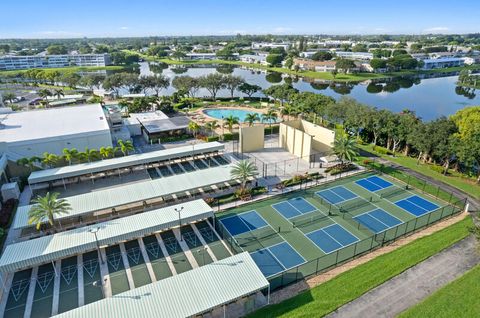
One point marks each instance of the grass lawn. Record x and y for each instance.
(460, 298)
(455, 179)
(348, 286)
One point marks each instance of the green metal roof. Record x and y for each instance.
(64, 244)
(184, 295)
(122, 162)
(131, 193)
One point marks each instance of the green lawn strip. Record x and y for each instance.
(460, 298)
(348, 286)
(454, 179)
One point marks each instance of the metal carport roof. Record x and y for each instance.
(137, 192)
(122, 162)
(64, 244)
(184, 295)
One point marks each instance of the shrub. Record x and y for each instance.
(340, 168)
(437, 168)
(274, 130)
(212, 138)
(382, 150)
(6, 212)
(229, 136)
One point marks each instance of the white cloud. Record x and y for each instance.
(438, 29)
(124, 28)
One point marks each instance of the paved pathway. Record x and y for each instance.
(415, 284)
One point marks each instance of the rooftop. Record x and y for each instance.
(52, 123)
(185, 295)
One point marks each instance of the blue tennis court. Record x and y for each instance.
(378, 220)
(294, 207)
(332, 238)
(416, 205)
(243, 222)
(336, 195)
(277, 258)
(373, 183)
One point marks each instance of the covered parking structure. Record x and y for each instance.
(132, 198)
(116, 166)
(227, 288)
(46, 249)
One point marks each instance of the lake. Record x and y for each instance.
(430, 98)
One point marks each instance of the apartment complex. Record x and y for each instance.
(8, 62)
(318, 66)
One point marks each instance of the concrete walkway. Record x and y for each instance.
(415, 284)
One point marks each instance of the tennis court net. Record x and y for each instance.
(354, 204)
(306, 220)
(388, 193)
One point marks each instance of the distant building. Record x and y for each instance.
(254, 58)
(318, 66)
(361, 56)
(263, 45)
(443, 63)
(200, 56)
(9, 62)
(31, 133)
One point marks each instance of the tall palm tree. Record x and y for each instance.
(46, 208)
(230, 121)
(107, 152)
(251, 118)
(125, 146)
(243, 170)
(270, 116)
(29, 162)
(58, 93)
(194, 128)
(344, 147)
(211, 125)
(70, 155)
(45, 93)
(90, 155)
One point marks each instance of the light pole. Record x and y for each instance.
(222, 126)
(179, 210)
(94, 230)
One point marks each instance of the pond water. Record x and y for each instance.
(430, 98)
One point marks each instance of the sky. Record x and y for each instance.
(107, 18)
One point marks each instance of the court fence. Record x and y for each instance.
(348, 253)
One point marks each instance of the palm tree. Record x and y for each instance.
(125, 146)
(45, 208)
(58, 93)
(243, 170)
(28, 162)
(90, 155)
(194, 128)
(107, 152)
(45, 93)
(49, 159)
(211, 125)
(270, 116)
(251, 118)
(70, 155)
(344, 147)
(9, 96)
(230, 121)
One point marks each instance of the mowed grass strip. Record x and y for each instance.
(348, 286)
(460, 298)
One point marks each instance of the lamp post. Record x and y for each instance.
(94, 230)
(179, 210)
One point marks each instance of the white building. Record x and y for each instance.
(264, 45)
(443, 62)
(254, 58)
(9, 62)
(361, 56)
(31, 133)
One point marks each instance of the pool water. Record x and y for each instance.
(220, 113)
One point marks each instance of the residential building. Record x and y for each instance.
(443, 62)
(318, 66)
(9, 62)
(31, 133)
(362, 56)
(264, 45)
(254, 58)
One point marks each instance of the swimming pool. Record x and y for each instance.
(220, 113)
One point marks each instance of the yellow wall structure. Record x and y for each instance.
(251, 138)
(303, 138)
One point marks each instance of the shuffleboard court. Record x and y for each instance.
(416, 205)
(378, 220)
(332, 238)
(277, 258)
